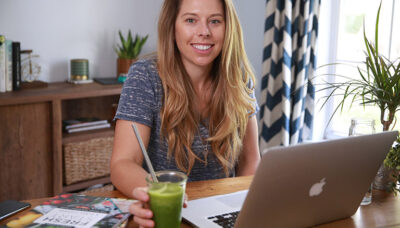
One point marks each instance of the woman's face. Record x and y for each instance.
(200, 31)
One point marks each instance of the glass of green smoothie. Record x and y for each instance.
(166, 198)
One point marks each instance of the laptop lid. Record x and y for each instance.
(282, 192)
(310, 184)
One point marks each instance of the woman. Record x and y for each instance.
(194, 105)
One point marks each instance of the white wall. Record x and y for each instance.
(251, 14)
(61, 30)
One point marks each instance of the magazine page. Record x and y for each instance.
(74, 210)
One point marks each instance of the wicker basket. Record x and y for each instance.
(87, 159)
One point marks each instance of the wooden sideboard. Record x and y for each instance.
(31, 137)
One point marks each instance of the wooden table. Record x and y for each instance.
(383, 212)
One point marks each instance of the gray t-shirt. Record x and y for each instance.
(141, 102)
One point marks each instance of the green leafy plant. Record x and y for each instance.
(130, 48)
(378, 84)
(392, 161)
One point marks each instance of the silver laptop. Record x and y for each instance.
(299, 186)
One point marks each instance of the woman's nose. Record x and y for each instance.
(204, 30)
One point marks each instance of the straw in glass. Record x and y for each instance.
(145, 155)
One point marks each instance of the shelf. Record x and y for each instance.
(58, 91)
(31, 120)
(86, 135)
(85, 184)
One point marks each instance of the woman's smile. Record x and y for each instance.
(202, 47)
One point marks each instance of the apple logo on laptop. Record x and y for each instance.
(316, 188)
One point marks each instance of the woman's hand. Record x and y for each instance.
(140, 210)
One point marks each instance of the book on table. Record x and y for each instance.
(74, 210)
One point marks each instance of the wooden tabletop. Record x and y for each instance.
(384, 211)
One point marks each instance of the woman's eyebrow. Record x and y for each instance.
(189, 14)
(194, 14)
(217, 15)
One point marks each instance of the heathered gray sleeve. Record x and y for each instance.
(137, 101)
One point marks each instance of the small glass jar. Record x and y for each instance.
(363, 127)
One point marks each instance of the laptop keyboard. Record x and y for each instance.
(225, 220)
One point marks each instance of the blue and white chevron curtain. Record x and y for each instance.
(287, 95)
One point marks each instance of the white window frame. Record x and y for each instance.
(328, 31)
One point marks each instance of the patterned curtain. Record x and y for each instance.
(287, 95)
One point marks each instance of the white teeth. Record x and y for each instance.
(201, 47)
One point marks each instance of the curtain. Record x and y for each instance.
(287, 94)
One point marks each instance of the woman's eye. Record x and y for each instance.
(190, 20)
(215, 21)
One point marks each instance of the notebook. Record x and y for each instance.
(300, 186)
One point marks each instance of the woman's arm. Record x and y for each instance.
(126, 160)
(250, 156)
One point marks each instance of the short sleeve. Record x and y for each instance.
(252, 95)
(137, 100)
(255, 104)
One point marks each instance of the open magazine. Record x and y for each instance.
(74, 210)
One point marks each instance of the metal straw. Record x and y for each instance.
(145, 155)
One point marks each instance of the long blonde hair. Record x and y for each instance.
(231, 103)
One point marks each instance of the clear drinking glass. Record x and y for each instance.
(363, 127)
(166, 198)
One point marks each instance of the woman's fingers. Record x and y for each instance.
(138, 210)
(143, 222)
(141, 194)
(185, 200)
(141, 214)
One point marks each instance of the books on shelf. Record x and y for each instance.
(93, 127)
(3, 67)
(84, 124)
(9, 74)
(10, 65)
(6, 62)
(16, 65)
(74, 210)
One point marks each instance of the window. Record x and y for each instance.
(346, 45)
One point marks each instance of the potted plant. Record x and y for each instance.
(392, 161)
(128, 51)
(378, 84)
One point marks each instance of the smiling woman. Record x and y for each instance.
(194, 103)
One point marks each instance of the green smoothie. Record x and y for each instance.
(166, 200)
